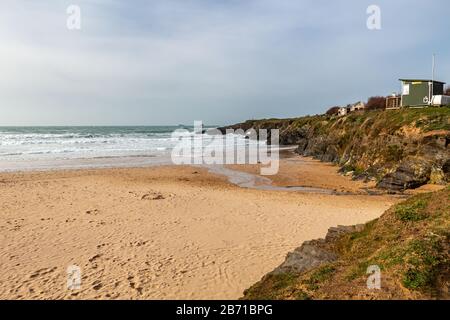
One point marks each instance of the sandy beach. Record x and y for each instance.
(162, 232)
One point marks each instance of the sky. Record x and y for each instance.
(162, 62)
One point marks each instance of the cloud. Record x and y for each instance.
(169, 62)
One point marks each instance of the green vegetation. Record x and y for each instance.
(374, 122)
(424, 257)
(427, 119)
(318, 276)
(275, 285)
(361, 123)
(407, 242)
(410, 243)
(413, 210)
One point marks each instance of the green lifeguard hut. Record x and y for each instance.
(419, 92)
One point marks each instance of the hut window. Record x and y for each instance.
(406, 89)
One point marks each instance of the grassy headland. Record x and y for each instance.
(400, 149)
(410, 243)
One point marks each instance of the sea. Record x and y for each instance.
(43, 148)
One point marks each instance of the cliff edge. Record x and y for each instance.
(409, 245)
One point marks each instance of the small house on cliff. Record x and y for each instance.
(418, 93)
(342, 111)
(357, 106)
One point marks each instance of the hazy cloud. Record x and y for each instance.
(170, 62)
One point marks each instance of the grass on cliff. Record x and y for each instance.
(358, 127)
(426, 119)
(387, 121)
(410, 243)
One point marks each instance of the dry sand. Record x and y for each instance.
(159, 232)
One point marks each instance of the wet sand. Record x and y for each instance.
(303, 173)
(161, 232)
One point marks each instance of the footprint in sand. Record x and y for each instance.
(97, 256)
(42, 272)
(132, 284)
(152, 196)
(93, 212)
(97, 285)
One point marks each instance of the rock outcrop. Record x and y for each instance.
(410, 174)
(401, 149)
(314, 253)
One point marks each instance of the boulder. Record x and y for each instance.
(312, 254)
(308, 256)
(410, 174)
(331, 154)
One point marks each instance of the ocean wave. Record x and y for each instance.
(88, 143)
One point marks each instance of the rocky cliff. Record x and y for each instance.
(401, 149)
